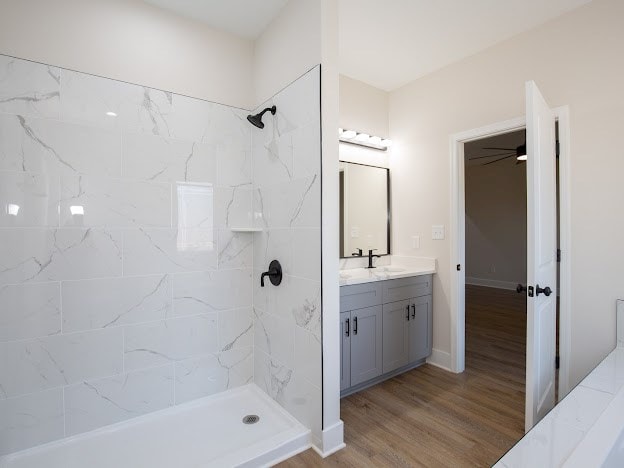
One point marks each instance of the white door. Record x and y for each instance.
(541, 256)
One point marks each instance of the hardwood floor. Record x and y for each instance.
(430, 417)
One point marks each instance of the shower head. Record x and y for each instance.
(256, 120)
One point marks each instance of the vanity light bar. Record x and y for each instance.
(363, 139)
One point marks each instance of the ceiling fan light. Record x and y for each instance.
(522, 157)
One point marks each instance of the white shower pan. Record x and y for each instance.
(208, 432)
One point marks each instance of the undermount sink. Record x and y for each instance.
(392, 269)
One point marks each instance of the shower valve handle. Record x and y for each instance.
(274, 273)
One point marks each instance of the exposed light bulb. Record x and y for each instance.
(340, 131)
(386, 142)
(348, 134)
(12, 209)
(522, 157)
(111, 114)
(362, 137)
(76, 210)
(375, 140)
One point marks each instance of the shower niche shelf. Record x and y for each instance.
(246, 229)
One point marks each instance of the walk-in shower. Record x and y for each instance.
(153, 215)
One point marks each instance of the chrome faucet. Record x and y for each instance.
(370, 258)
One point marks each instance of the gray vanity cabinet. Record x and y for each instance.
(360, 346)
(385, 329)
(365, 344)
(360, 328)
(395, 335)
(420, 330)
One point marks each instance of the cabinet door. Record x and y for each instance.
(420, 332)
(395, 335)
(345, 350)
(365, 344)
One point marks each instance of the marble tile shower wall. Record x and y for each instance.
(122, 290)
(287, 205)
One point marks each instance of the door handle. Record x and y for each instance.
(407, 310)
(413, 310)
(547, 291)
(520, 289)
(347, 327)
(355, 325)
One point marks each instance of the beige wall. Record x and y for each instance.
(132, 41)
(363, 108)
(496, 224)
(575, 60)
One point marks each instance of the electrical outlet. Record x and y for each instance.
(415, 242)
(437, 232)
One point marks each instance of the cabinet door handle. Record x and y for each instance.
(413, 310)
(347, 328)
(407, 310)
(355, 325)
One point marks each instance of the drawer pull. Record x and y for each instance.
(413, 310)
(407, 310)
(347, 327)
(355, 325)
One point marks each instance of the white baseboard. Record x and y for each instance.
(333, 440)
(440, 359)
(490, 283)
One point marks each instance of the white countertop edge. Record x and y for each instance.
(409, 272)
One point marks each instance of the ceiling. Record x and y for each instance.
(389, 43)
(476, 155)
(245, 18)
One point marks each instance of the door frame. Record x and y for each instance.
(458, 239)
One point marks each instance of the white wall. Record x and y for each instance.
(290, 46)
(132, 41)
(363, 108)
(303, 35)
(333, 428)
(496, 224)
(575, 60)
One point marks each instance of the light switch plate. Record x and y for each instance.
(437, 232)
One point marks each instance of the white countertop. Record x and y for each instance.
(381, 273)
(584, 427)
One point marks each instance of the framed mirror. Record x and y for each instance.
(364, 209)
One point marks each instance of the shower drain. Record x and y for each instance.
(251, 419)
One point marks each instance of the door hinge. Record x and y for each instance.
(559, 255)
(458, 267)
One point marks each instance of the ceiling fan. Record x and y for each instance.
(519, 152)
